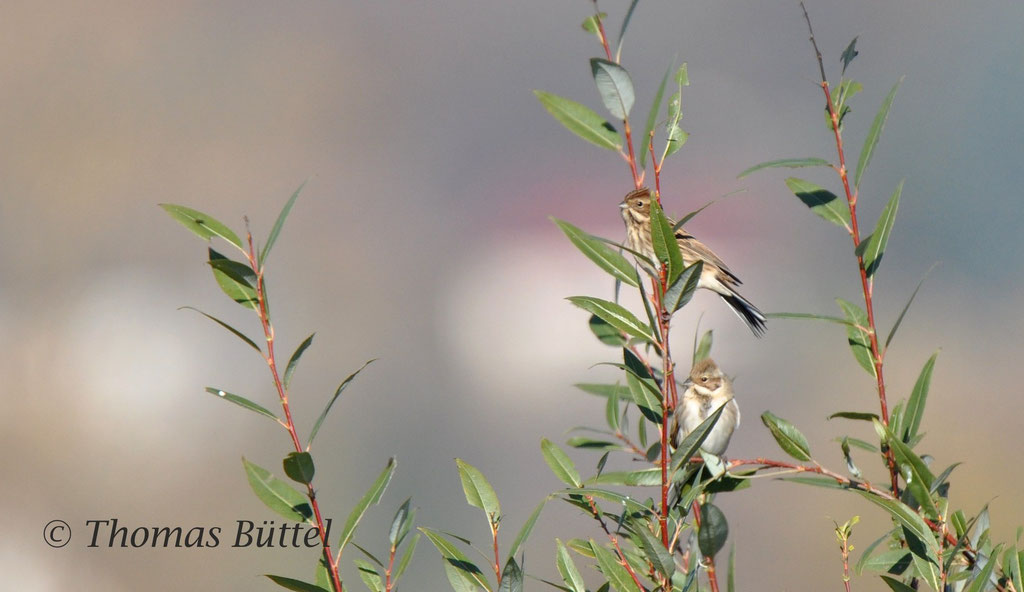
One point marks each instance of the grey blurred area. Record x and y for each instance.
(422, 239)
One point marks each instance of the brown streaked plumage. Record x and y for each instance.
(707, 389)
(716, 276)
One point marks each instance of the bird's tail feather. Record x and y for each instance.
(747, 312)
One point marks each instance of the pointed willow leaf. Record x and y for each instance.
(478, 490)
(646, 396)
(293, 362)
(622, 31)
(664, 240)
(560, 463)
(849, 53)
(615, 315)
(789, 163)
(822, 202)
(871, 141)
(980, 582)
(293, 584)
(866, 554)
(615, 87)
(370, 576)
(702, 349)
(527, 528)
(681, 291)
(611, 412)
(915, 405)
(918, 477)
(371, 497)
(202, 225)
(896, 585)
(276, 494)
(590, 24)
(788, 437)
(511, 577)
(848, 457)
(243, 402)
(641, 478)
(652, 116)
(656, 553)
(278, 224)
(691, 443)
(860, 343)
(603, 390)
(730, 585)
(629, 504)
(613, 570)
(906, 307)
(234, 331)
(859, 415)
(872, 248)
(581, 120)
(600, 253)
(400, 524)
(567, 568)
(606, 333)
(299, 467)
(235, 279)
(714, 529)
(910, 520)
(327, 409)
(456, 563)
(826, 482)
(403, 563)
(808, 316)
(690, 216)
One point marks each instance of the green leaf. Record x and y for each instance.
(293, 584)
(981, 581)
(730, 585)
(584, 442)
(567, 568)
(919, 480)
(676, 138)
(826, 482)
(911, 521)
(527, 528)
(276, 230)
(915, 405)
(858, 415)
(906, 307)
(479, 492)
(895, 561)
(560, 463)
(204, 226)
(243, 402)
(611, 412)
(276, 494)
(622, 31)
(614, 85)
(600, 253)
(603, 390)
(896, 585)
(327, 409)
(457, 565)
(860, 343)
(822, 202)
(293, 362)
(866, 554)
(681, 291)
(652, 116)
(789, 438)
(406, 557)
(613, 570)
(299, 467)
(371, 497)
(590, 23)
(639, 478)
(235, 279)
(368, 573)
(234, 331)
(627, 502)
(873, 247)
(702, 349)
(646, 395)
(789, 163)
(871, 141)
(808, 316)
(511, 577)
(656, 553)
(848, 457)
(615, 315)
(606, 333)
(664, 240)
(581, 120)
(849, 53)
(714, 529)
(401, 523)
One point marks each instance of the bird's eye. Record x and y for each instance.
(639, 203)
(703, 378)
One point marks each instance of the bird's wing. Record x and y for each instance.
(694, 250)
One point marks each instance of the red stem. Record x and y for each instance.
(271, 360)
(866, 286)
(387, 572)
(709, 562)
(497, 561)
(614, 540)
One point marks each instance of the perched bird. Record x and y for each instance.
(636, 212)
(707, 389)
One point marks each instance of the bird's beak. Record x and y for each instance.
(623, 205)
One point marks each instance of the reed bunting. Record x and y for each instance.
(636, 212)
(707, 389)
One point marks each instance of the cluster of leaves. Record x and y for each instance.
(243, 282)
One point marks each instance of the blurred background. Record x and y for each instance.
(422, 238)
